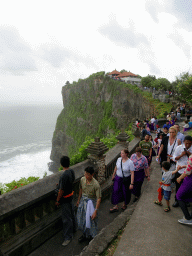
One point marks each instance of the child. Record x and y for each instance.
(186, 126)
(165, 188)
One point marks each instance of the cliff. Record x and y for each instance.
(93, 107)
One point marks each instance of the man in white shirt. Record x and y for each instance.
(181, 156)
(152, 120)
(180, 135)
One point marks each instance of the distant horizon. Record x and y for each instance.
(32, 103)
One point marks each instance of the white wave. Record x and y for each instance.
(24, 148)
(25, 165)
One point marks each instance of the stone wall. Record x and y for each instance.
(161, 96)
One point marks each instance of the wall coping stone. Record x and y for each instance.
(23, 197)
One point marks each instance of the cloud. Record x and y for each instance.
(184, 10)
(152, 9)
(15, 55)
(126, 36)
(181, 42)
(57, 56)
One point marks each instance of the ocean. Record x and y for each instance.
(25, 140)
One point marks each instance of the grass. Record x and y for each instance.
(113, 245)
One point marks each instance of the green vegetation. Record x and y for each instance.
(110, 141)
(185, 89)
(161, 108)
(113, 245)
(16, 184)
(147, 81)
(181, 87)
(190, 133)
(159, 83)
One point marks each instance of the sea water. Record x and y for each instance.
(25, 140)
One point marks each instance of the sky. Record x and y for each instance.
(45, 43)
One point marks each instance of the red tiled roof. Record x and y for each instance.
(126, 74)
(114, 72)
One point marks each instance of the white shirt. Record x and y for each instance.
(159, 142)
(171, 149)
(181, 137)
(127, 167)
(183, 160)
(152, 120)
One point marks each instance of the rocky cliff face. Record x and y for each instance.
(95, 107)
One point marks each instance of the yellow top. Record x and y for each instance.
(92, 189)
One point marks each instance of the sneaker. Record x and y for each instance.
(185, 221)
(66, 242)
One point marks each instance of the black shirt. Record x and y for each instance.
(66, 183)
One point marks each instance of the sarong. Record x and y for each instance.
(152, 126)
(184, 193)
(149, 161)
(121, 192)
(81, 217)
(139, 177)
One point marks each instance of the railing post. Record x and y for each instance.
(97, 150)
(122, 138)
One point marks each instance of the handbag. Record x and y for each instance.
(172, 164)
(125, 179)
(168, 158)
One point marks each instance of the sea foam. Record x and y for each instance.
(25, 165)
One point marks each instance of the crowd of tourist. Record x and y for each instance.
(173, 152)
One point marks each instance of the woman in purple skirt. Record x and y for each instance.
(122, 189)
(141, 170)
(184, 194)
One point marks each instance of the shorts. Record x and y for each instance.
(166, 194)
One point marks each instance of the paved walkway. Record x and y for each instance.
(151, 231)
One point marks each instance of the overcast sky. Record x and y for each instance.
(45, 43)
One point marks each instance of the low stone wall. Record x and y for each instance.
(28, 215)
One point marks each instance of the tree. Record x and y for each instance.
(161, 84)
(178, 85)
(147, 80)
(67, 83)
(123, 70)
(185, 89)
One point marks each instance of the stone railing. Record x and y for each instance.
(28, 215)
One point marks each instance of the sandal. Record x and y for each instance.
(124, 207)
(114, 209)
(167, 209)
(158, 203)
